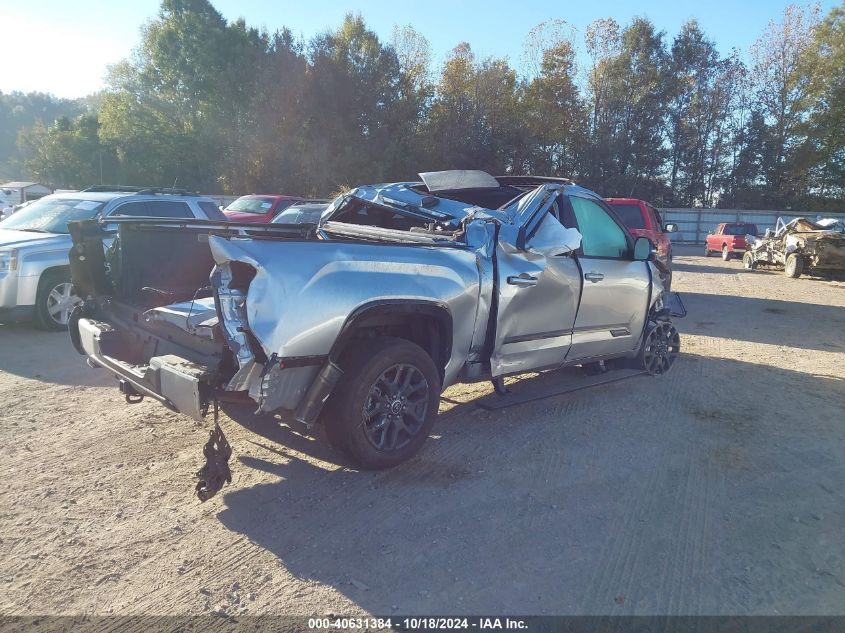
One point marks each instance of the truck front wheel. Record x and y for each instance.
(794, 265)
(748, 261)
(385, 404)
(660, 348)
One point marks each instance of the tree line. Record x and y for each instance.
(220, 106)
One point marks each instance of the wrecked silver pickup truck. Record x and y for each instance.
(800, 246)
(361, 320)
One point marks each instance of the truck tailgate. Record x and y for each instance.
(180, 384)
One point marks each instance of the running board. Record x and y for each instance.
(567, 381)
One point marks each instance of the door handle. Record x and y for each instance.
(594, 277)
(523, 281)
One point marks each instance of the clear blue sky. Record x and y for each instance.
(64, 46)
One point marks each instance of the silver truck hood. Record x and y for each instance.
(9, 238)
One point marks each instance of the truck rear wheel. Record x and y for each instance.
(794, 266)
(726, 253)
(385, 404)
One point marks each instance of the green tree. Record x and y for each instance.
(628, 83)
(781, 91)
(416, 90)
(554, 114)
(824, 63)
(476, 117)
(176, 109)
(20, 111)
(353, 94)
(703, 92)
(67, 153)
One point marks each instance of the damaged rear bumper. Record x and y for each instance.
(178, 383)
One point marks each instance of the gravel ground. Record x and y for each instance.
(717, 489)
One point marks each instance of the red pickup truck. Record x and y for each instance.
(729, 238)
(643, 220)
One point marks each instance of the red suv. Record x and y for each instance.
(258, 208)
(643, 220)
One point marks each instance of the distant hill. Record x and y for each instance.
(20, 110)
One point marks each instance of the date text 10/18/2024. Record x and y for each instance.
(418, 623)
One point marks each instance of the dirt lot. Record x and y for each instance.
(716, 489)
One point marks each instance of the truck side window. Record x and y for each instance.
(155, 209)
(169, 209)
(601, 236)
(132, 208)
(562, 212)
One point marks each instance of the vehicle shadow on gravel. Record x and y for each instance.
(31, 353)
(727, 269)
(281, 432)
(639, 497)
(769, 321)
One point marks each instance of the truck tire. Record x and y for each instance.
(794, 265)
(660, 348)
(706, 250)
(726, 254)
(54, 300)
(383, 407)
(748, 261)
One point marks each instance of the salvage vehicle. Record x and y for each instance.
(729, 238)
(362, 320)
(258, 208)
(34, 242)
(800, 246)
(643, 220)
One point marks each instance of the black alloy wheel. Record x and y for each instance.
(396, 407)
(661, 348)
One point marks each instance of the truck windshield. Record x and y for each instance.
(300, 214)
(740, 229)
(630, 214)
(52, 216)
(255, 205)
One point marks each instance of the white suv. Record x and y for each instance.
(34, 243)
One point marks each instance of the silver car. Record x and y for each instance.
(399, 292)
(34, 242)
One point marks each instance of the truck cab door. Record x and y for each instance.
(538, 286)
(615, 295)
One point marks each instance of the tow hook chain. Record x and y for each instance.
(216, 471)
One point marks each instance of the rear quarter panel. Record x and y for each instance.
(304, 291)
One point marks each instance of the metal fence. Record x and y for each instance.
(695, 224)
